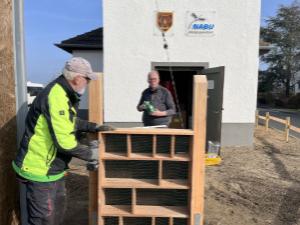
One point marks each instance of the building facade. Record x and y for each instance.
(133, 44)
(198, 35)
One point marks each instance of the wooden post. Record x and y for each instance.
(153, 221)
(154, 145)
(133, 201)
(8, 127)
(129, 145)
(267, 120)
(172, 151)
(287, 128)
(256, 118)
(160, 172)
(198, 151)
(121, 221)
(95, 115)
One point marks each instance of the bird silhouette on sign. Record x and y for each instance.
(197, 18)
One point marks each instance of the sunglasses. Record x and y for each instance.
(87, 79)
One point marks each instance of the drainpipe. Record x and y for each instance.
(19, 67)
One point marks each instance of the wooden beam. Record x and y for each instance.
(121, 220)
(129, 145)
(153, 131)
(8, 132)
(153, 221)
(267, 121)
(172, 152)
(154, 145)
(95, 115)
(287, 128)
(133, 201)
(198, 150)
(160, 172)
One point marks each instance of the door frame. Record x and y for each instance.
(195, 65)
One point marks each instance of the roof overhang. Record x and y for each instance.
(71, 47)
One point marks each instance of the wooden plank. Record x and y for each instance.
(172, 147)
(95, 115)
(160, 172)
(267, 121)
(296, 129)
(145, 156)
(9, 206)
(121, 221)
(151, 131)
(101, 177)
(145, 183)
(198, 149)
(287, 128)
(154, 145)
(129, 145)
(171, 221)
(262, 117)
(277, 119)
(133, 200)
(145, 211)
(116, 210)
(153, 221)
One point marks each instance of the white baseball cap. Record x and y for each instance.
(81, 66)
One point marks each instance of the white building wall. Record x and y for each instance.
(130, 47)
(95, 57)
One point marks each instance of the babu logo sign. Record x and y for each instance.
(200, 23)
(164, 21)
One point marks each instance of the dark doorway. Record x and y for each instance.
(183, 77)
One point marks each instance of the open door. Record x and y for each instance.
(215, 77)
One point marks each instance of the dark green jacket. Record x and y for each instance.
(49, 141)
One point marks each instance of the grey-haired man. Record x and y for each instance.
(50, 142)
(161, 101)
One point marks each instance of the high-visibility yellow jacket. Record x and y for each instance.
(49, 141)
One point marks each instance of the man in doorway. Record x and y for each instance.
(49, 143)
(156, 103)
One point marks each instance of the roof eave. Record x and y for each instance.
(71, 47)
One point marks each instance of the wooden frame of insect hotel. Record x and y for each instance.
(149, 176)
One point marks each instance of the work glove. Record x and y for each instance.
(94, 149)
(101, 128)
(93, 163)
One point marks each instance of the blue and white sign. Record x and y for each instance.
(200, 23)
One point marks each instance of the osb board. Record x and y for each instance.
(8, 187)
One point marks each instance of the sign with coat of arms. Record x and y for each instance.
(164, 21)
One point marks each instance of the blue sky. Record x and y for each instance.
(51, 21)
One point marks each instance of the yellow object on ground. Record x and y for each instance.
(212, 160)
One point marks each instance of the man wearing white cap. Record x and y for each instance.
(50, 142)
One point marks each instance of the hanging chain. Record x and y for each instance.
(166, 47)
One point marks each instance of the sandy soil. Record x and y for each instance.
(252, 186)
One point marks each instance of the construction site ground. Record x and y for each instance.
(252, 186)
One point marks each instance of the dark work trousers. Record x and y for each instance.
(42, 203)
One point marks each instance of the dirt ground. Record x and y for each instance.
(252, 186)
